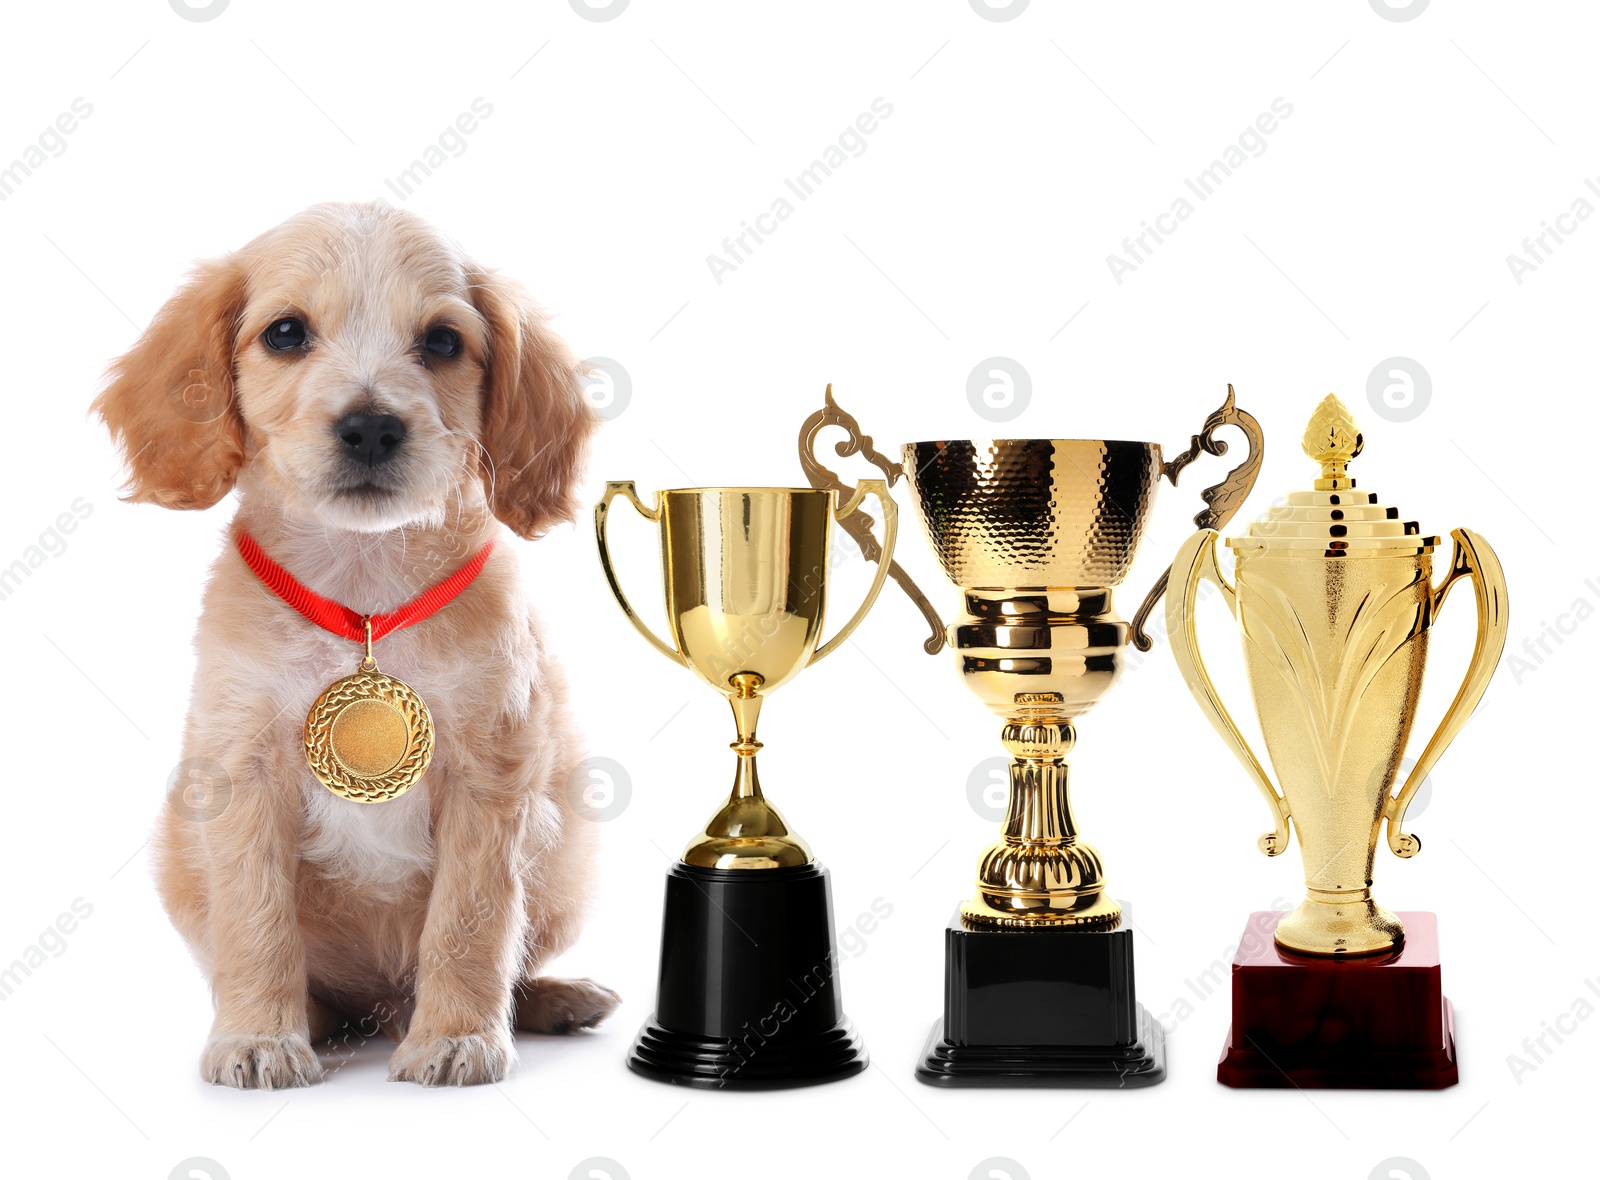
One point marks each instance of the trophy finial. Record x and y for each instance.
(1332, 438)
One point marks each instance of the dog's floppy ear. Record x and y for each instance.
(169, 401)
(536, 418)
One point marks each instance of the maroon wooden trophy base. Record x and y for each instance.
(1377, 1022)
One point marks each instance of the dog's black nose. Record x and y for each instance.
(370, 438)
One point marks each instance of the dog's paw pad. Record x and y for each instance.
(259, 1061)
(452, 1061)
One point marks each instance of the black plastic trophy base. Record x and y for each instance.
(747, 997)
(1039, 1008)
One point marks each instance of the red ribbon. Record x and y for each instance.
(340, 619)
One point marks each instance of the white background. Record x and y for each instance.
(977, 223)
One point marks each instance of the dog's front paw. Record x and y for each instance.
(468, 1060)
(260, 1061)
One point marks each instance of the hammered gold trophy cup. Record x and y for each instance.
(1334, 598)
(1037, 533)
(747, 996)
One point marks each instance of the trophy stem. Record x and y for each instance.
(1040, 873)
(747, 832)
(746, 712)
(1039, 806)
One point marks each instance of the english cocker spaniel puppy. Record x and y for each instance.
(387, 410)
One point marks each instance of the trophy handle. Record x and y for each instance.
(859, 524)
(1196, 560)
(1475, 559)
(891, 525)
(601, 511)
(1222, 499)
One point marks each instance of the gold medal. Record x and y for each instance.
(369, 736)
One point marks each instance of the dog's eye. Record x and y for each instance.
(442, 341)
(282, 335)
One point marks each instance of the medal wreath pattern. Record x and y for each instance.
(337, 758)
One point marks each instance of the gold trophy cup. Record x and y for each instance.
(745, 574)
(747, 996)
(1334, 598)
(1037, 534)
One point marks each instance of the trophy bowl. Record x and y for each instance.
(1034, 511)
(743, 580)
(1036, 532)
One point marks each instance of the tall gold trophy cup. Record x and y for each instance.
(1037, 534)
(747, 996)
(1334, 599)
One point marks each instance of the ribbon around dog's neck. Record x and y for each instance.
(340, 619)
(369, 736)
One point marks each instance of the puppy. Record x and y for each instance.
(385, 408)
